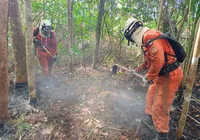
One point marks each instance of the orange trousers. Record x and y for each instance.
(46, 62)
(159, 99)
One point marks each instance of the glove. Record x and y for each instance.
(37, 42)
(134, 71)
(54, 57)
(145, 80)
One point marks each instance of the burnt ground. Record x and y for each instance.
(85, 105)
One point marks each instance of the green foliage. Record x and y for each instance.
(76, 51)
(62, 49)
(85, 13)
(109, 61)
(116, 13)
(22, 127)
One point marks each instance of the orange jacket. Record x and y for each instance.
(154, 55)
(50, 42)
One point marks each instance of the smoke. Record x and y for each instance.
(114, 100)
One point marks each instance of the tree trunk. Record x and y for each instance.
(160, 14)
(191, 78)
(29, 53)
(90, 20)
(3, 60)
(98, 34)
(18, 42)
(69, 11)
(190, 52)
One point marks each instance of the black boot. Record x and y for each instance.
(161, 136)
(21, 85)
(1, 125)
(148, 119)
(148, 122)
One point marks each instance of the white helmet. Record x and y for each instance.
(131, 25)
(45, 28)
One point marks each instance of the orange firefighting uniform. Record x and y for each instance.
(44, 57)
(161, 93)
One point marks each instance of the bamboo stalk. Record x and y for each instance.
(189, 86)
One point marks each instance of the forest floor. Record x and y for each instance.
(86, 105)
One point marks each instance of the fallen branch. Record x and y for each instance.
(190, 117)
(10, 130)
(197, 109)
(196, 99)
(137, 129)
(13, 96)
(90, 133)
(95, 119)
(21, 137)
(115, 128)
(41, 89)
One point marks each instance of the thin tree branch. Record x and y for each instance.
(160, 15)
(182, 22)
(190, 117)
(41, 13)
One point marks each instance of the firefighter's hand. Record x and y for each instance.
(37, 42)
(54, 57)
(134, 71)
(145, 80)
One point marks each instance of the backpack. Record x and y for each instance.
(179, 51)
(36, 32)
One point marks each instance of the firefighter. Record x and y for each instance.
(158, 56)
(46, 46)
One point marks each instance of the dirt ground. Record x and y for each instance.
(85, 105)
